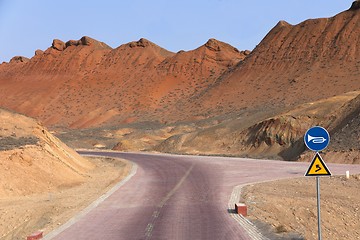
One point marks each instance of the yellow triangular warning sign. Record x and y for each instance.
(318, 167)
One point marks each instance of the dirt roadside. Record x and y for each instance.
(286, 209)
(21, 216)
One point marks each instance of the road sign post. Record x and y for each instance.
(317, 139)
(318, 206)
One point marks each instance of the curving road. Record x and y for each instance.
(179, 197)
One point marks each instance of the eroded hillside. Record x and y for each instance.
(293, 64)
(85, 83)
(33, 160)
(214, 99)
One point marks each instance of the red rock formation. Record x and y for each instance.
(19, 59)
(86, 83)
(58, 45)
(315, 59)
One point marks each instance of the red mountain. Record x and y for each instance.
(85, 83)
(315, 59)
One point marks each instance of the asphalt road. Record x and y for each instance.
(179, 197)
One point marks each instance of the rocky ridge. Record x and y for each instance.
(249, 97)
(140, 79)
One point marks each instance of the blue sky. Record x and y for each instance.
(175, 25)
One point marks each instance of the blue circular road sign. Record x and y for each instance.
(317, 138)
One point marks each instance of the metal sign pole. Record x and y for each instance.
(317, 139)
(318, 206)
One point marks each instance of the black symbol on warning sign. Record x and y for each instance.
(318, 168)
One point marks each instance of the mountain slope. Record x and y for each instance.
(189, 73)
(230, 102)
(315, 59)
(85, 83)
(40, 86)
(33, 160)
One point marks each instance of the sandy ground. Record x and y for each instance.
(21, 216)
(289, 206)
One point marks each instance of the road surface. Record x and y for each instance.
(179, 197)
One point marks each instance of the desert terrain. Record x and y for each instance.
(252, 102)
(287, 209)
(212, 100)
(44, 182)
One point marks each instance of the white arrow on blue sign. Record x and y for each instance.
(317, 138)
